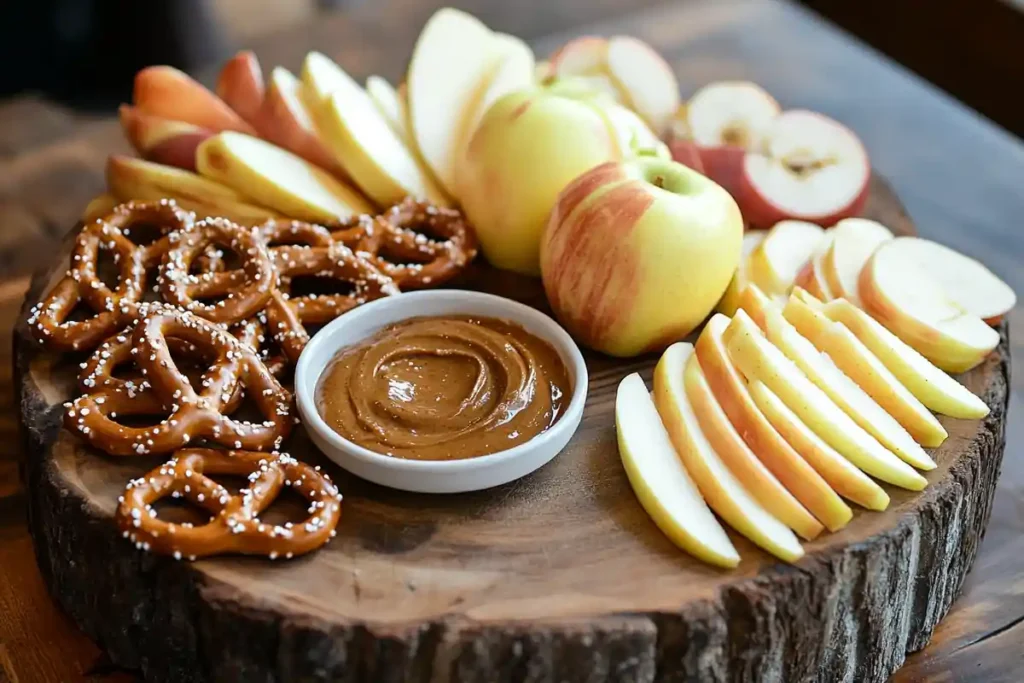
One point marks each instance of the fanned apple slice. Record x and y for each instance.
(730, 114)
(933, 387)
(912, 305)
(720, 488)
(388, 104)
(730, 301)
(453, 57)
(361, 139)
(660, 481)
(857, 362)
(775, 263)
(840, 473)
(853, 400)
(730, 390)
(759, 359)
(281, 180)
(755, 303)
(812, 276)
(853, 242)
(968, 283)
(513, 71)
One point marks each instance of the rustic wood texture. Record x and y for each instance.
(560, 574)
(957, 174)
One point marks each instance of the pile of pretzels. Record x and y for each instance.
(175, 296)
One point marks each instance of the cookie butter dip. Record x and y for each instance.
(444, 388)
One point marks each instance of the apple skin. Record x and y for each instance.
(724, 165)
(619, 252)
(528, 146)
(760, 212)
(686, 153)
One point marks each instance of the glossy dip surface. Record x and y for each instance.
(444, 388)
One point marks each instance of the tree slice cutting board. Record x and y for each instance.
(560, 576)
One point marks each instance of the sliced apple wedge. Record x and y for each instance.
(171, 94)
(361, 139)
(451, 62)
(854, 240)
(282, 180)
(388, 104)
(660, 481)
(730, 301)
(759, 359)
(857, 362)
(756, 303)
(729, 389)
(840, 473)
(720, 488)
(853, 400)
(930, 385)
(912, 305)
(968, 283)
(775, 263)
(646, 81)
(513, 70)
(812, 276)
(240, 85)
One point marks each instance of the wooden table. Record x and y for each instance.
(959, 176)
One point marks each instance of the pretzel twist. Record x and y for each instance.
(234, 525)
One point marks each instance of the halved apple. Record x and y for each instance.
(730, 301)
(660, 481)
(759, 359)
(361, 139)
(282, 180)
(789, 245)
(933, 387)
(854, 240)
(966, 282)
(809, 168)
(719, 486)
(840, 473)
(453, 57)
(812, 276)
(905, 298)
(857, 362)
(729, 388)
(854, 401)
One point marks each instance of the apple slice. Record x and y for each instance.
(174, 95)
(240, 85)
(157, 139)
(646, 81)
(730, 301)
(809, 168)
(584, 60)
(857, 362)
(812, 276)
(853, 400)
(910, 303)
(854, 240)
(759, 359)
(756, 303)
(730, 390)
(933, 387)
(720, 487)
(840, 473)
(660, 480)
(389, 104)
(361, 139)
(513, 71)
(280, 179)
(788, 246)
(99, 206)
(453, 57)
(966, 282)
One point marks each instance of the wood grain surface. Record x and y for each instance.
(958, 175)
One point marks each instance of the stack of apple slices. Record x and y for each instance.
(778, 165)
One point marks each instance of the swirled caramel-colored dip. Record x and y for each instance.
(444, 388)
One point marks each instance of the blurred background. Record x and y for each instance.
(84, 52)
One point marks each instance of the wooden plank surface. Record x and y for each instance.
(958, 175)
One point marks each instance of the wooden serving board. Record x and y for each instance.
(560, 576)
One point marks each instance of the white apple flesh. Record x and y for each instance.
(854, 240)
(776, 262)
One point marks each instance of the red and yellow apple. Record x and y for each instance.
(636, 254)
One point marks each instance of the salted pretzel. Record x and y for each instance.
(234, 525)
(116, 308)
(240, 293)
(414, 242)
(191, 414)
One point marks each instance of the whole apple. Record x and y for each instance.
(528, 146)
(637, 253)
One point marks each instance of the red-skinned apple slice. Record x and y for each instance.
(776, 262)
(812, 276)
(240, 85)
(756, 304)
(174, 95)
(965, 281)
(782, 460)
(157, 139)
(809, 168)
(646, 81)
(853, 242)
(908, 301)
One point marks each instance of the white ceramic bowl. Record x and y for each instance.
(449, 476)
